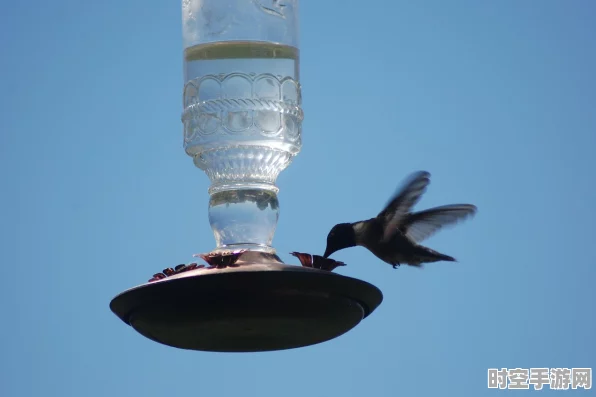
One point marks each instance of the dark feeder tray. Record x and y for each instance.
(247, 302)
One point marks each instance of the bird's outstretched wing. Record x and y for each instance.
(402, 202)
(421, 225)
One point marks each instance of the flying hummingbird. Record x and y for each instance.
(394, 234)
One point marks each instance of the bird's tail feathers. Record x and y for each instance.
(436, 256)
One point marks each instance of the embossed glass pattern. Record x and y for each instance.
(242, 110)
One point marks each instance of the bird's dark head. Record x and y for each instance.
(340, 237)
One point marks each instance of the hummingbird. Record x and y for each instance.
(395, 233)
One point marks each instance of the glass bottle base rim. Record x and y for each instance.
(246, 247)
(222, 187)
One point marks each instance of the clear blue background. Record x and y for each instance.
(497, 99)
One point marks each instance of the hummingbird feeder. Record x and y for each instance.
(242, 121)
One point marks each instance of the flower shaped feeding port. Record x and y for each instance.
(242, 126)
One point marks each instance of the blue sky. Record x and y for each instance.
(496, 99)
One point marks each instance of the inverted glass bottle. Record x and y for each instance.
(242, 111)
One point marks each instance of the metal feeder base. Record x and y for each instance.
(253, 307)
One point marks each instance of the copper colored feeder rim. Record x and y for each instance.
(244, 268)
(261, 304)
(374, 297)
(236, 259)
